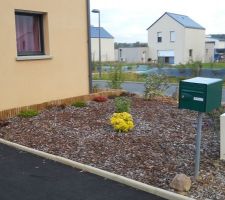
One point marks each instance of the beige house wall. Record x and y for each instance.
(165, 25)
(65, 74)
(107, 49)
(209, 52)
(132, 55)
(219, 44)
(185, 39)
(195, 40)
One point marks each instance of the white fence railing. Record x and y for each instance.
(222, 136)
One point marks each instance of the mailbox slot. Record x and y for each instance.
(188, 95)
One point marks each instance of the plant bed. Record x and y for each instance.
(161, 144)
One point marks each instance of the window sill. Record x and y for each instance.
(42, 57)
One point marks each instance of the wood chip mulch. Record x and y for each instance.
(161, 145)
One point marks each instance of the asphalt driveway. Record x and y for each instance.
(24, 176)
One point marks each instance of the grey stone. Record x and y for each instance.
(181, 183)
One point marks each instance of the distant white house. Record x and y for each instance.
(132, 54)
(219, 44)
(107, 45)
(209, 51)
(214, 49)
(175, 39)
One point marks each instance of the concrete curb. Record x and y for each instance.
(108, 175)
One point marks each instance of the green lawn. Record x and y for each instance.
(132, 66)
(129, 76)
(204, 65)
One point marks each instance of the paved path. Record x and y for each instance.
(24, 176)
(138, 88)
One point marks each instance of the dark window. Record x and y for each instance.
(159, 37)
(167, 59)
(190, 52)
(120, 52)
(29, 34)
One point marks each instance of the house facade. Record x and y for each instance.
(132, 54)
(44, 51)
(219, 44)
(209, 51)
(107, 44)
(214, 49)
(175, 39)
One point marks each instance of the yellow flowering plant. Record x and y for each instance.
(122, 122)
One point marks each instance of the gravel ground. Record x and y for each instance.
(161, 145)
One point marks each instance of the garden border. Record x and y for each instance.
(6, 114)
(108, 175)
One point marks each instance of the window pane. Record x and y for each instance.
(28, 34)
(190, 52)
(172, 36)
(159, 36)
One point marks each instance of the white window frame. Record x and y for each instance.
(159, 35)
(172, 36)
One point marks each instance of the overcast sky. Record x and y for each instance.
(127, 20)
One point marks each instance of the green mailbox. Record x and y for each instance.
(200, 94)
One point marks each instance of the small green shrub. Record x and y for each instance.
(116, 77)
(95, 88)
(196, 68)
(155, 85)
(28, 113)
(79, 104)
(122, 104)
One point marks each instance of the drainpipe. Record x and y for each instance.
(89, 46)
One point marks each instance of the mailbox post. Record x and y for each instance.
(198, 143)
(202, 95)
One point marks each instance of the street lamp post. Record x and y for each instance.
(99, 41)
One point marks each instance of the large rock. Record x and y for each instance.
(181, 183)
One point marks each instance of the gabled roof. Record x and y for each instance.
(103, 33)
(184, 20)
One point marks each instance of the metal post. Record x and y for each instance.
(89, 47)
(198, 144)
(99, 43)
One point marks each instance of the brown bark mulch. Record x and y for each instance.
(161, 145)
